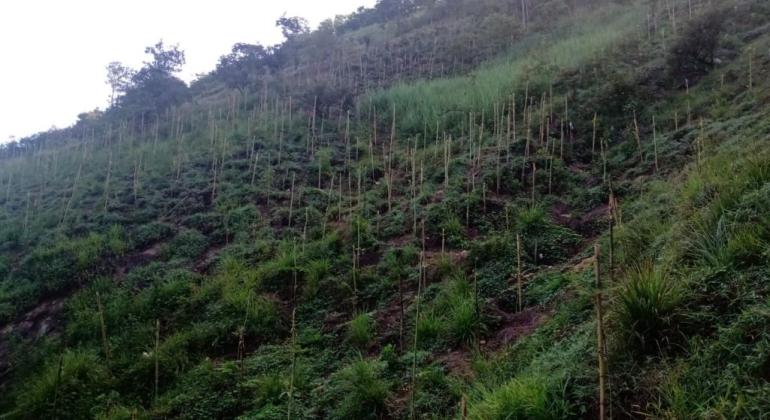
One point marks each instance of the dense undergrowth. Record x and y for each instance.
(422, 251)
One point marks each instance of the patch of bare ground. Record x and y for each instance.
(388, 320)
(206, 261)
(44, 319)
(132, 261)
(514, 326)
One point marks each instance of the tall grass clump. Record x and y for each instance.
(449, 99)
(315, 272)
(530, 397)
(361, 330)
(459, 313)
(68, 388)
(647, 308)
(360, 390)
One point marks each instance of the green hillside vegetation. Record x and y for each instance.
(461, 209)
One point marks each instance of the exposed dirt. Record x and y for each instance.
(457, 258)
(369, 257)
(513, 327)
(517, 325)
(402, 241)
(388, 320)
(334, 322)
(205, 261)
(458, 363)
(563, 215)
(583, 265)
(42, 320)
(46, 318)
(595, 214)
(132, 261)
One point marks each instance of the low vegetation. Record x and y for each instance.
(427, 209)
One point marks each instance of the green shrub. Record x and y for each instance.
(205, 391)
(149, 234)
(429, 328)
(54, 268)
(692, 55)
(463, 321)
(647, 306)
(84, 377)
(361, 330)
(454, 231)
(116, 241)
(87, 250)
(315, 272)
(360, 391)
(529, 397)
(188, 244)
(269, 388)
(530, 220)
(457, 305)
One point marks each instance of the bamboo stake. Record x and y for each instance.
(390, 159)
(156, 353)
(401, 312)
(476, 307)
(638, 138)
(291, 197)
(751, 68)
(293, 361)
(601, 352)
(59, 370)
(593, 139)
(107, 180)
(655, 143)
(412, 411)
(103, 325)
(254, 168)
(534, 181)
(293, 336)
(518, 271)
(26, 215)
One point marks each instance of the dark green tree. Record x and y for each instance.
(119, 78)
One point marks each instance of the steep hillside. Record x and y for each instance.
(429, 209)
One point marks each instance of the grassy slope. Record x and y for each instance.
(701, 226)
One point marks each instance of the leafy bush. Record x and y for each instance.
(187, 244)
(315, 272)
(647, 308)
(54, 268)
(529, 397)
(463, 321)
(149, 234)
(116, 241)
(202, 392)
(269, 388)
(692, 55)
(84, 377)
(360, 330)
(360, 390)
(429, 328)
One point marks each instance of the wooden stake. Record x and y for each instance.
(638, 138)
(518, 271)
(603, 400)
(105, 344)
(655, 143)
(534, 181)
(291, 197)
(156, 353)
(593, 139)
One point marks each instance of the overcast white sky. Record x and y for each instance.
(53, 53)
